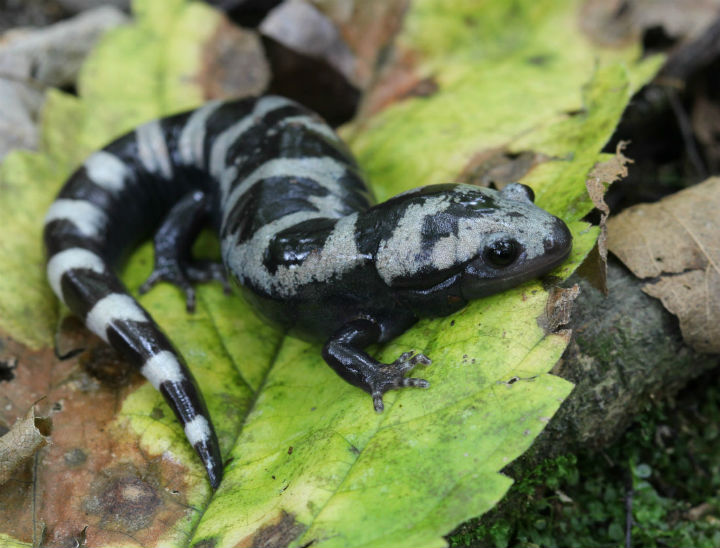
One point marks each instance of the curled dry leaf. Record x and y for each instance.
(558, 308)
(675, 244)
(21, 442)
(594, 269)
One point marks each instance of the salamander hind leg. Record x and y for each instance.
(173, 241)
(343, 352)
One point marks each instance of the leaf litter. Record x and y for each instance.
(674, 244)
(21, 442)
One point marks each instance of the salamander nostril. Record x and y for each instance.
(548, 244)
(559, 241)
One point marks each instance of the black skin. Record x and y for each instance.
(343, 352)
(358, 308)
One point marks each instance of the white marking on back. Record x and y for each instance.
(114, 307)
(87, 217)
(71, 259)
(339, 255)
(162, 367)
(219, 150)
(331, 205)
(246, 259)
(192, 138)
(227, 177)
(397, 256)
(107, 171)
(325, 171)
(314, 125)
(152, 149)
(197, 430)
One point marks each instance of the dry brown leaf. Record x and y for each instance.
(18, 445)
(301, 27)
(678, 241)
(499, 167)
(558, 308)
(93, 474)
(33, 59)
(234, 64)
(368, 27)
(601, 177)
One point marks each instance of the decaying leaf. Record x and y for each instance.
(368, 27)
(499, 167)
(21, 442)
(93, 473)
(233, 63)
(558, 308)
(674, 243)
(601, 177)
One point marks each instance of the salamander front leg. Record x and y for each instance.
(343, 352)
(173, 242)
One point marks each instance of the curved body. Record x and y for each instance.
(299, 234)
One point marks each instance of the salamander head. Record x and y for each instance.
(468, 242)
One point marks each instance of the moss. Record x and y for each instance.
(668, 463)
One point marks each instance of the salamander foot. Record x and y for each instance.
(184, 276)
(392, 375)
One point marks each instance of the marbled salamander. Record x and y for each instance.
(299, 234)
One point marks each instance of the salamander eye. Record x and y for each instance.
(501, 253)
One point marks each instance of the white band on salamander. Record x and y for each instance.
(114, 307)
(107, 171)
(87, 217)
(153, 150)
(162, 367)
(71, 259)
(197, 430)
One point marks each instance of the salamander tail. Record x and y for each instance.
(83, 280)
